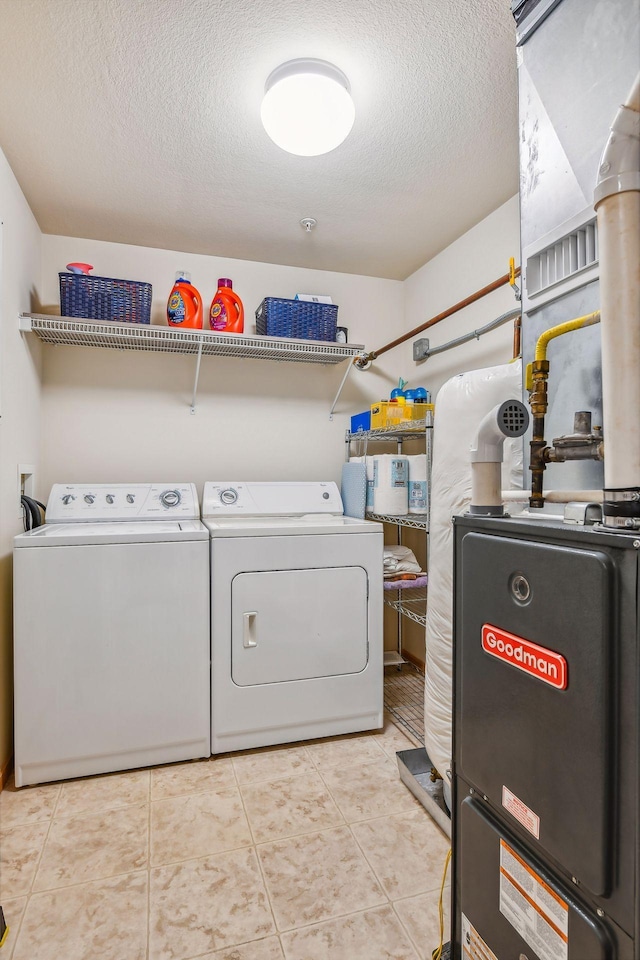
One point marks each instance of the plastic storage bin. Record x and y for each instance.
(361, 421)
(277, 317)
(417, 411)
(102, 298)
(388, 413)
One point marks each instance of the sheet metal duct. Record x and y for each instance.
(576, 62)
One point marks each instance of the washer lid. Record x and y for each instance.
(81, 534)
(311, 524)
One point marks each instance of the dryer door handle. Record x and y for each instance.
(250, 629)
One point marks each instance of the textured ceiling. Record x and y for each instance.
(138, 121)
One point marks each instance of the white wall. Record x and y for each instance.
(474, 260)
(19, 406)
(111, 415)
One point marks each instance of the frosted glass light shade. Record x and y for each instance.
(307, 107)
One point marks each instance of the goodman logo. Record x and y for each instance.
(544, 664)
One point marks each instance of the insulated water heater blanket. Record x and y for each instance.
(460, 406)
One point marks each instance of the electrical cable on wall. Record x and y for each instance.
(32, 513)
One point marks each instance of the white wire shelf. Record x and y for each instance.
(400, 432)
(153, 337)
(393, 659)
(415, 521)
(414, 607)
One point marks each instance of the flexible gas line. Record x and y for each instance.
(437, 953)
(543, 340)
(588, 320)
(536, 383)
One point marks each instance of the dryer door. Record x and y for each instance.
(298, 624)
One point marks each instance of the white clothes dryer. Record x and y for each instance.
(112, 634)
(296, 615)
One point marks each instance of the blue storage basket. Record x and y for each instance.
(101, 298)
(300, 319)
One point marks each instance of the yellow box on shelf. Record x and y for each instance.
(417, 411)
(386, 413)
(392, 413)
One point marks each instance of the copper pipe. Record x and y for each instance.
(443, 316)
(517, 333)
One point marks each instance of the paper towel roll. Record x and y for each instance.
(418, 483)
(390, 485)
(353, 489)
(370, 478)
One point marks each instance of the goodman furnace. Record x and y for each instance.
(546, 788)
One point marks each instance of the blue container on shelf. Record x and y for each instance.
(300, 319)
(102, 298)
(361, 421)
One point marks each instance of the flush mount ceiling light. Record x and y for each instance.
(307, 107)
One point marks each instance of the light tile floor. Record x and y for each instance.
(312, 851)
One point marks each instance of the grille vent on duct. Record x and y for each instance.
(513, 418)
(568, 256)
(563, 260)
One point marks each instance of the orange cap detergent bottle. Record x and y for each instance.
(227, 313)
(184, 307)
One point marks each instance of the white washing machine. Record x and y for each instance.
(296, 615)
(112, 633)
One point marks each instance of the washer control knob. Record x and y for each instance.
(228, 496)
(68, 497)
(131, 497)
(110, 498)
(170, 498)
(325, 496)
(89, 497)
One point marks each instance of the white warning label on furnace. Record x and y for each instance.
(539, 915)
(473, 946)
(521, 812)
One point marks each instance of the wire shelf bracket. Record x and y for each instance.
(196, 378)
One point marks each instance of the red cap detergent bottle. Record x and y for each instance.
(226, 314)
(184, 307)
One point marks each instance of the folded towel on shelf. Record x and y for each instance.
(420, 581)
(399, 559)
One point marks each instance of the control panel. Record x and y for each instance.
(270, 499)
(69, 502)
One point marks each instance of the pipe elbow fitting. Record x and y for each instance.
(619, 169)
(489, 439)
(507, 419)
